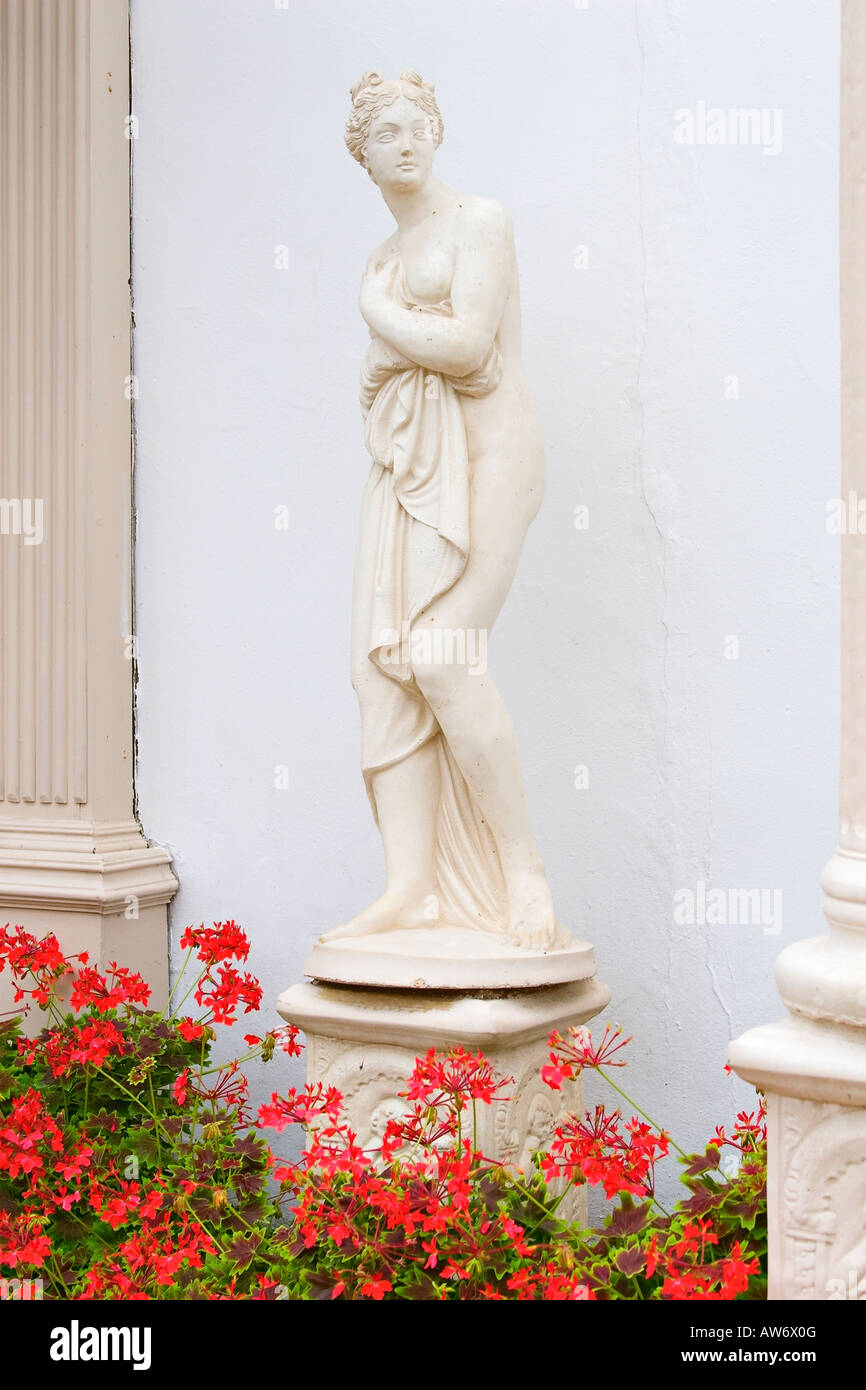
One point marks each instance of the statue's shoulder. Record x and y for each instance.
(485, 215)
(483, 209)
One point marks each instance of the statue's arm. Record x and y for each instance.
(458, 344)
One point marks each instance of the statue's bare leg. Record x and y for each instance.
(474, 720)
(407, 805)
(471, 712)
(481, 736)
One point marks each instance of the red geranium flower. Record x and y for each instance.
(376, 1287)
(223, 941)
(189, 1030)
(180, 1089)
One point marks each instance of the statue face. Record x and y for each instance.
(400, 146)
(388, 1109)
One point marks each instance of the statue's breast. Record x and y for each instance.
(427, 277)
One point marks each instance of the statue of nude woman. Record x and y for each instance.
(456, 478)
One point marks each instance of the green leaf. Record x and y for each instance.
(700, 1202)
(425, 1288)
(702, 1163)
(631, 1260)
(627, 1219)
(321, 1284)
(244, 1248)
(144, 1146)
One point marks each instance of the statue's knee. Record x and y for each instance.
(434, 680)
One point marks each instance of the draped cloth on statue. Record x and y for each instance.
(413, 546)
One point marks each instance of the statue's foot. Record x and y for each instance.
(394, 911)
(531, 920)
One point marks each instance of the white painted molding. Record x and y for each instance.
(84, 869)
(69, 842)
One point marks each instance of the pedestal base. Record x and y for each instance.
(816, 1200)
(814, 1078)
(445, 957)
(365, 1041)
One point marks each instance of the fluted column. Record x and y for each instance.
(72, 854)
(813, 1064)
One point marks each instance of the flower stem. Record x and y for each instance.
(642, 1113)
(177, 981)
(155, 1122)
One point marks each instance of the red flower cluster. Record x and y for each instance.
(303, 1107)
(27, 1131)
(60, 1175)
(570, 1056)
(750, 1130)
(549, 1282)
(454, 1080)
(62, 1049)
(229, 1089)
(286, 1039)
(440, 1088)
(220, 987)
(152, 1255)
(226, 992)
(94, 1040)
(690, 1275)
(189, 1030)
(598, 1150)
(418, 1214)
(419, 1211)
(117, 1208)
(222, 941)
(421, 1128)
(134, 1146)
(103, 992)
(22, 1241)
(42, 958)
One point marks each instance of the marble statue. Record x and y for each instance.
(457, 476)
(463, 948)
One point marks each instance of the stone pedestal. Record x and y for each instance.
(364, 1041)
(818, 1203)
(812, 1065)
(813, 1074)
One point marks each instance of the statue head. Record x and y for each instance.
(394, 129)
(541, 1121)
(388, 1109)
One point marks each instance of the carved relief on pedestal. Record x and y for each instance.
(525, 1122)
(371, 1079)
(822, 1200)
(526, 1119)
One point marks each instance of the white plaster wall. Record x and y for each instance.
(706, 514)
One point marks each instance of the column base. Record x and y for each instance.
(814, 1078)
(364, 1041)
(100, 888)
(816, 1200)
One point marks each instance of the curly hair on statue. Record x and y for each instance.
(372, 93)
